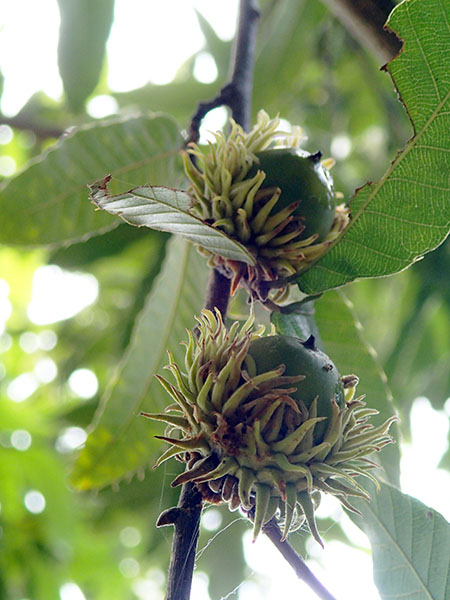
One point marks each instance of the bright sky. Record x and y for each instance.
(139, 32)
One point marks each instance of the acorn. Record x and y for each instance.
(278, 202)
(304, 181)
(265, 425)
(321, 382)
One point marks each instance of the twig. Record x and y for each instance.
(237, 92)
(365, 20)
(301, 569)
(186, 521)
(217, 292)
(41, 131)
(237, 96)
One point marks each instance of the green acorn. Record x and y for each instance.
(250, 436)
(278, 202)
(302, 179)
(321, 378)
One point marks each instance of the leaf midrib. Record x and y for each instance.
(409, 146)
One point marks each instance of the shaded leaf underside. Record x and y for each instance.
(167, 209)
(410, 544)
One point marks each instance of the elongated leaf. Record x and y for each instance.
(48, 202)
(121, 442)
(410, 545)
(167, 209)
(341, 338)
(84, 29)
(406, 213)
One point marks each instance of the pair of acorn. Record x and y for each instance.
(266, 423)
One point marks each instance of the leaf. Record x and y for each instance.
(405, 214)
(297, 319)
(48, 202)
(109, 244)
(218, 48)
(121, 442)
(410, 545)
(84, 29)
(341, 338)
(167, 209)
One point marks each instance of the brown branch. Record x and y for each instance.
(186, 521)
(236, 94)
(41, 131)
(217, 292)
(365, 20)
(301, 569)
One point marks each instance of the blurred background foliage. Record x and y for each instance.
(312, 72)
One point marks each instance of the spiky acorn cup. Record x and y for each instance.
(279, 203)
(268, 438)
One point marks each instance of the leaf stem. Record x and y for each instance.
(301, 569)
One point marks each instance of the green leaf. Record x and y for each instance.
(343, 340)
(121, 442)
(109, 244)
(84, 29)
(48, 202)
(218, 48)
(297, 319)
(167, 209)
(410, 545)
(405, 214)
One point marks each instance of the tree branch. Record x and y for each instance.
(186, 521)
(236, 94)
(41, 131)
(217, 292)
(301, 569)
(365, 20)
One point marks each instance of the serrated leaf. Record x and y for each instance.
(410, 545)
(48, 202)
(406, 213)
(84, 29)
(122, 442)
(167, 209)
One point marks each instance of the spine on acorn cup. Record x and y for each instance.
(262, 190)
(266, 424)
